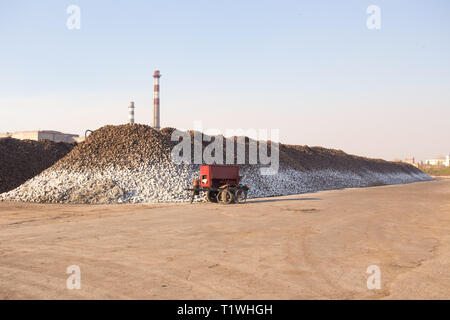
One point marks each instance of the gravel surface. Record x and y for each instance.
(132, 164)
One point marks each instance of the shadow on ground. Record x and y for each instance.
(279, 200)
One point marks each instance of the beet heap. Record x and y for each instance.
(21, 160)
(132, 164)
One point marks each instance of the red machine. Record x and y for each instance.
(221, 184)
(216, 176)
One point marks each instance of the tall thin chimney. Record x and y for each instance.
(131, 112)
(156, 76)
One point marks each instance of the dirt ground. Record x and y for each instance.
(310, 246)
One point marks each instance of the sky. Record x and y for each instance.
(312, 69)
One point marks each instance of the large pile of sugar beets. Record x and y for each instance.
(126, 145)
(21, 160)
(131, 144)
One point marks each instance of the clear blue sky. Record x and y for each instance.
(309, 68)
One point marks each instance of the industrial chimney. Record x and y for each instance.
(156, 76)
(131, 112)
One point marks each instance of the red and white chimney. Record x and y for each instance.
(131, 112)
(156, 76)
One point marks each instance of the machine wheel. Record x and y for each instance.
(211, 196)
(219, 196)
(240, 196)
(227, 196)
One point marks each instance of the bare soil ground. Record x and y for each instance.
(310, 246)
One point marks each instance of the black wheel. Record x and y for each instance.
(227, 196)
(241, 196)
(211, 196)
(219, 196)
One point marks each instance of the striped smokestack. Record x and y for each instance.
(131, 112)
(156, 76)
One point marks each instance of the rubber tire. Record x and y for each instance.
(219, 196)
(227, 196)
(211, 196)
(238, 196)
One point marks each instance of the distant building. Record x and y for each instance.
(55, 136)
(442, 161)
(79, 139)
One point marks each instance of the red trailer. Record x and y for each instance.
(221, 184)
